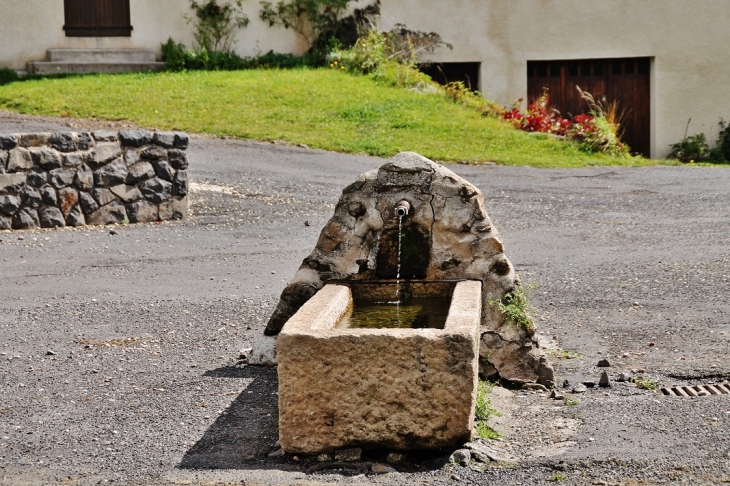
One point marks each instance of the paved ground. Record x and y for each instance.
(144, 385)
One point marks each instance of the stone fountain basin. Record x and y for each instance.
(399, 389)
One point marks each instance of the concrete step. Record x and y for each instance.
(47, 67)
(100, 55)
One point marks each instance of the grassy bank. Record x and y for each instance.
(322, 108)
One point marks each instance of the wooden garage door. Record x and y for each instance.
(625, 81)
(97, 18)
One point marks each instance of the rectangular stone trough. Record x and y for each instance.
(389, 388)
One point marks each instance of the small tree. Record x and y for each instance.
(214, 25)
(308, 18)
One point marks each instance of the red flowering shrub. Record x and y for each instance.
(537, 118)
(592, 132)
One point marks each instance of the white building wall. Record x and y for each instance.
(688, 41)
(30, 27)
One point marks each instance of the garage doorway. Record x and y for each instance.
(97, 18)
(624, 80)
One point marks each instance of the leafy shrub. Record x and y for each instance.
(310, 19)
(597, 131)
(484, 410)
(516, 309)
(8, 76)
(690, 149)
(214, 25)
(462, 94)
(538, 117)
(721, 152)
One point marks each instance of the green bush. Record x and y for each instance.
(691, 149)
(214, 25)
(8, 76)
(721, 152)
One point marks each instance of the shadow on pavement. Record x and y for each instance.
(246, 431)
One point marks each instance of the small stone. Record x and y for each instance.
(164, 139)
(641, 370)
(114, 212)
(113, 232)
(9, 204)
(461, 456)
(156, 190)
(19, 160)
(178, 159)
(142, 212)
(395, 458)
(48, 195)
(46, 158)
(141, 171)
(534, 387)
(75, 217)
(566, 384)
(131, 157)
(243, 354)
(104, 136)
(623, 377)
(604, 382)
(604, 363)
(5, 223)
(276, 453)
(62, 141)
(580, 389)
(87, 203)
(31, 197)
(103, 154)
(154, 153)
(34, 139)
(555, 394)
(68, 197)
(52, 218)
(181, 140)
(84, 179)
(135, 138)
(454, 477)
(174, 208)
(324, 457)
(74, 159)
(126, 193)
(8, 141)
(50, 353)
(84, 141)
(349, 455)
(62, 177)
(37, 177)
(26, 218)
(703, 393)
(382, 469)
(180, 184)
(164, 170)
(111, 174)
(103, 196)
(589, 384)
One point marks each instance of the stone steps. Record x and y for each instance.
(84, 61)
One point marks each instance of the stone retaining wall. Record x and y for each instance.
(75, 178)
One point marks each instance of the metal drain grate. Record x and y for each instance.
(697, 390)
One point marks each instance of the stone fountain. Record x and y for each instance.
(411, 228)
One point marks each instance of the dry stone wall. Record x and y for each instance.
(58, 179)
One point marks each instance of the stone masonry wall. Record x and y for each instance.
(71, 179)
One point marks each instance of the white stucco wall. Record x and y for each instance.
(688, 41)
(30, 27)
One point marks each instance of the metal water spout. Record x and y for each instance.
(402, 208)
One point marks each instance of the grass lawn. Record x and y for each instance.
(322, 108)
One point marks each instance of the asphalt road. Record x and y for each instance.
(142, 384)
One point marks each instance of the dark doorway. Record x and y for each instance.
(624, 80)
(448, 72)
(97, 18)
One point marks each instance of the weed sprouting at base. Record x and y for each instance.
(515, 307)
